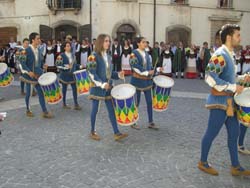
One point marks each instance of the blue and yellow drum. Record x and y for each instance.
(6, 77)
(161, 92)
(51, 88)
(126, 111)
(243, 107)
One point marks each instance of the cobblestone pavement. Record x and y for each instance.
(57, 153)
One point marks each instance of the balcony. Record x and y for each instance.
(179, 2)
(64, 5)
(226, 4)
(127, 0)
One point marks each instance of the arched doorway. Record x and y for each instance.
(126, 31)
(6, 33)
(84, 32)
(63, 30)
(178, 33)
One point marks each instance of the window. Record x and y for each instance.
(225, 3)
(180, 2)
(64, 4)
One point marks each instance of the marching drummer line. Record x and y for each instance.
(18, 103)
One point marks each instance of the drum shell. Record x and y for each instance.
(83, 82)
(51, 90)
(161, 94)
(6, 78)
(126, 111)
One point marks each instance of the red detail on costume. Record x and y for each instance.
(216, 61)
(191, 75)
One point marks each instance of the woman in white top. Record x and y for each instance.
(126, 51)
(50, 57)
(85, 51)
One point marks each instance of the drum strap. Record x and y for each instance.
(230, 108)
(222, 93)
(141, 77)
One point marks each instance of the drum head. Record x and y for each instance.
(243, 99)
(123, 91)
(47, 78)
(80, 71)
(3, 68)
(163, 81)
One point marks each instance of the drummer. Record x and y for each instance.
(142, 72)
(67, 67)
(31, 62)
(101, 74)
(220, 76)
(243, 129)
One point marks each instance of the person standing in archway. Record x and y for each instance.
(126, 51)
(179, 63)
(85, 51)
(116, 55)
(205, 56)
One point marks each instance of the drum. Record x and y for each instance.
(123, 97)
(51, 88)
(83, 82)
(161, 92)
(6, 77)
(243, 107)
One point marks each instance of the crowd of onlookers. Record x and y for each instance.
(175, 57)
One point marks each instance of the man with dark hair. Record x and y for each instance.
(25, 45)
(93, 45)
(220, 76)
(116, 55)
(32, 67)
(155, 53)
(179, 63)
(205, 56)
(58, 48)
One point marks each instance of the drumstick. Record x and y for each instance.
(156, 62)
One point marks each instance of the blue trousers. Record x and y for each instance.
(216, 120)
(148, 98)
(40, 96)
(22, 86)
(74, 91)
(111, 112)
(243, 130)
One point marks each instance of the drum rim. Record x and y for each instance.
(79, 71)
(129, 124)
(244, 123)
(164, 77)
(47, 73)
(4, 65)
(236, 95)
(112, 91)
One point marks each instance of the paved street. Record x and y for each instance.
(57, 153)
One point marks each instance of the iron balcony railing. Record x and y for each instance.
(64, 4)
